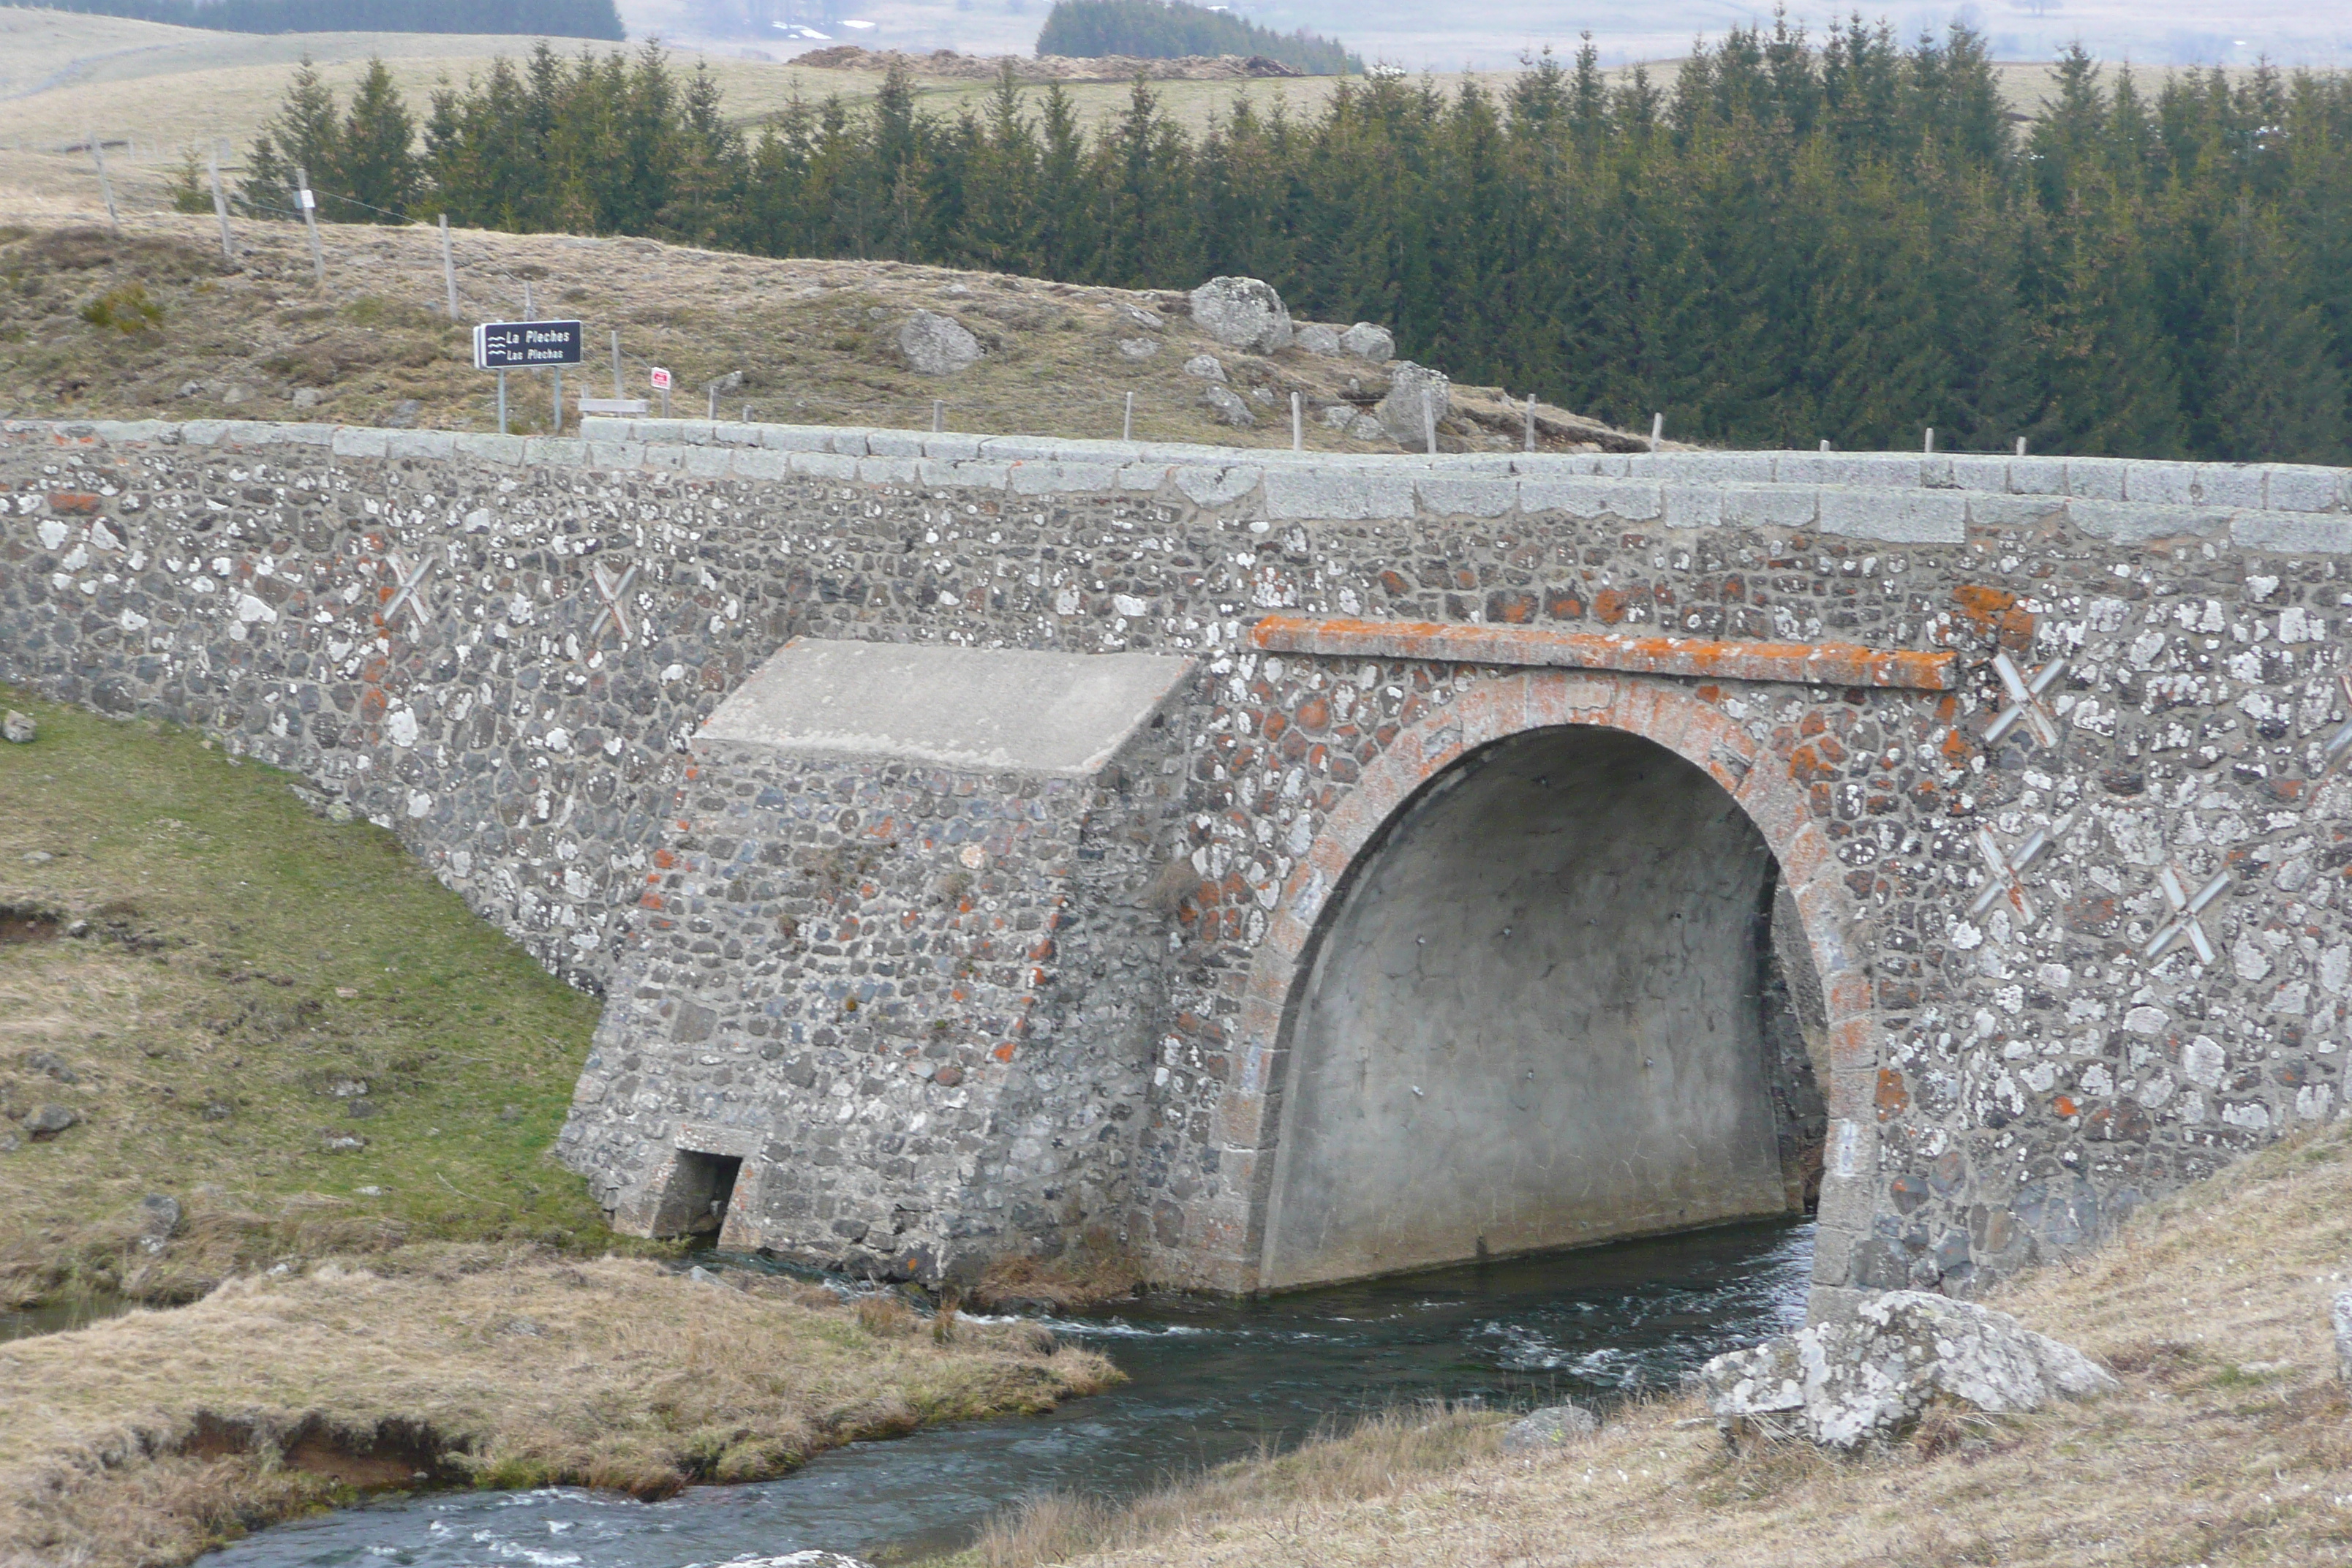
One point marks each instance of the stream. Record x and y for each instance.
(1209, 1382)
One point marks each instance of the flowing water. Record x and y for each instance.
(1209, 1382)
(79, 1313)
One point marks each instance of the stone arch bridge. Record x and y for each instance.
(1292, 867)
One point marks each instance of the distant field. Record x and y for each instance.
(1416, 36)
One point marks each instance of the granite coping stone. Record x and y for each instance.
(1890, 497)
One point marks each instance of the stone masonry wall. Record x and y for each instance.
(917, 996)
(2010, 1087)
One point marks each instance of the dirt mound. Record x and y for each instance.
(1048, 68)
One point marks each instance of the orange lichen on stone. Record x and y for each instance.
(1892, 1098)
(1812, 664)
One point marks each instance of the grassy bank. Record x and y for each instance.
(805, 341)
(2232, 1442)
(280, 1024)
(146, 1438)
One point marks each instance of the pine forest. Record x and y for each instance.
(1790, 240)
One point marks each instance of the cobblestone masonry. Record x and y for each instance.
(501, 648)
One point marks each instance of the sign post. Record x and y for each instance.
(661, 384)
(503, 347)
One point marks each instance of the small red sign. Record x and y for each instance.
(661, 379)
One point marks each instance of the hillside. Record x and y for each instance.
(805, 341)
(2229, 1443)
(268, 1034)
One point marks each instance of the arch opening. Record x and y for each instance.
(1558, 999)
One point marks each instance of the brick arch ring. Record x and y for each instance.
(1229, 1245)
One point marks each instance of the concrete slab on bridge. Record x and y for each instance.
(1058, 715)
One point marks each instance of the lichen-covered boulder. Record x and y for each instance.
(1413, 387)
(1318, 338)
(1366, 340)
(1228, 404)
(1549, 1427)
(1843, 1385)
(1242, 312)
(938, 345)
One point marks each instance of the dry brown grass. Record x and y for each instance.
(145, 1438)
(1334, 1471)
(1100, 1269)
(814, 343)
(2232, 1442)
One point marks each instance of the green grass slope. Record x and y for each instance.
(280, 1023)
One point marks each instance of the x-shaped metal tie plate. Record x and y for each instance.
(610, 592)
(2025, 701)
(411, 594)
(2186, 908)
(2008, 871)
(2339, 744)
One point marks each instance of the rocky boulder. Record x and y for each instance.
(1228, 404)
(158, 1214)
(1400, 412)
(1318, 339)
(1842, 1384)
(1549, 1427)
(1243, 313)
(20, 728)
(48, 1121)
(938, 345)
(1366, 341)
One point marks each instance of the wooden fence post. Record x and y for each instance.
(309, 206)
(449, 268)
(105, 186)
(220, 206)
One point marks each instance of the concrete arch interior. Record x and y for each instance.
(1560, 998)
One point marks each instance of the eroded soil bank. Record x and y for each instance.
(147, 1438)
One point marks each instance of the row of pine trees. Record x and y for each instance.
(1790, 241)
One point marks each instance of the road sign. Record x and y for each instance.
(528, 345)
(661, 379)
